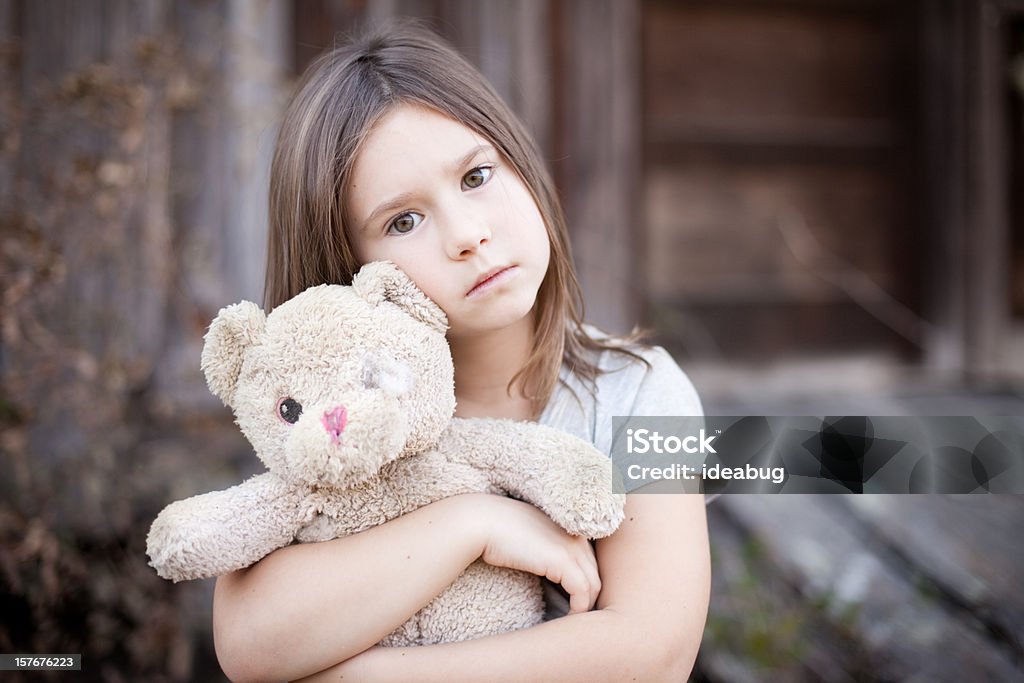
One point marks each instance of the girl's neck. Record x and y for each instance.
(485, 364)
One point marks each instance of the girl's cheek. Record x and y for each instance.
(421, 276)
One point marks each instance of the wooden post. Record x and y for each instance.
(598, 163)
(988, 242)
(256, 65)
(944, 107)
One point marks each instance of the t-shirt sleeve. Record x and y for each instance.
(665, 389)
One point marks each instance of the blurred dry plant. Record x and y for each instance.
(762, 627)
(86, 265)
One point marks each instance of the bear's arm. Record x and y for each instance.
(218, 532)
(563, 475)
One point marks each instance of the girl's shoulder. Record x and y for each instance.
(640, 379)
(644, 381)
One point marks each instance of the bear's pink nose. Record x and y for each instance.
(334, 422)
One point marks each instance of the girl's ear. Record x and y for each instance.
(235, 329)
(384, 281)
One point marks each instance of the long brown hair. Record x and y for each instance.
(338, 100)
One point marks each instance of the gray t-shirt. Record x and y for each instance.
(628, 387)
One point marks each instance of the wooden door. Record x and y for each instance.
(779, 172)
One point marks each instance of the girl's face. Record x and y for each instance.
(438, 200)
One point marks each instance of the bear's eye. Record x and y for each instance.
(289, 410)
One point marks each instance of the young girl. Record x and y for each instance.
(395, 148)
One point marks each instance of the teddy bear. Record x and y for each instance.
(346, 393)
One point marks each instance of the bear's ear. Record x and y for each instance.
(383, 281)
(232, 332)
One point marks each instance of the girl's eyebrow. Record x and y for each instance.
(390, 205)
(465, 159)
(400, 200)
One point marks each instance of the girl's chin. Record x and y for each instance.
(486, 323)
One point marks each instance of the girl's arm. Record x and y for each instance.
(656, 577)
(308, 606)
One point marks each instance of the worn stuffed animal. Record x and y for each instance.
(347, 395)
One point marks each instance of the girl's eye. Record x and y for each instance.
(477, 177)
(289, 410)
(404, 223)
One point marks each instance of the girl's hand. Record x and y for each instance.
(519, 536)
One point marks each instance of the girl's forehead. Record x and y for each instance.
(409, 130)
(408, 145)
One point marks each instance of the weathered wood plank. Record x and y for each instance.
(91, 211)
(11, 111)
(760, 627)
(514, 54)
(813, 541)
(202, 179)
(968, 546)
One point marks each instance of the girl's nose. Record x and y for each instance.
(466, 236)
(334, 421)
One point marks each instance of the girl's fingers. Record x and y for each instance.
(586, 569)
(590, 570)
(588, 565)
(580, 598)
(523, 537)
(574, 580)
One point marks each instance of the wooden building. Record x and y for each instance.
(756, 180)
(773, 186)
(763, 179)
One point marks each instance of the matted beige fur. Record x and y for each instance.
(375, 438)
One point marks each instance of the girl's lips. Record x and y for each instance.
(501, 276)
